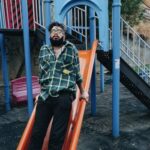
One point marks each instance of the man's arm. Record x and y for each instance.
(79, 80)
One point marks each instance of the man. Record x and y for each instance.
(59, 75)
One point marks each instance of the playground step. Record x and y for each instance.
(128, 77)
(15, 32)
(80, 45)
(73, 39)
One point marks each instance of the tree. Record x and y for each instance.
(131, 11)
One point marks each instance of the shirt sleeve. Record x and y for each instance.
(77, 67)
(40, 58)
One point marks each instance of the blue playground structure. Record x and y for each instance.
(87, 20)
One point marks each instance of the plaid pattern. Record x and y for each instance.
(58, 74)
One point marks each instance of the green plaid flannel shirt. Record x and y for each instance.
(58, 74)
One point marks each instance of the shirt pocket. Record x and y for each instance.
(67, 66)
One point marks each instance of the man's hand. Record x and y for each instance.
(85, 95)
(36, 99)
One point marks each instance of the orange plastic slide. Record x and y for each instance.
(74, 126)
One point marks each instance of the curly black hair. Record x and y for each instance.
(56, 24)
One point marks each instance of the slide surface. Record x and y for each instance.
(87, 58)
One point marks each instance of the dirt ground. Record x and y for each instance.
(96, 133)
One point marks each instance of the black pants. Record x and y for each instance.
(59, 108)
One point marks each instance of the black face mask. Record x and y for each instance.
(58, 42)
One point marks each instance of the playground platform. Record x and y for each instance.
(96, 133)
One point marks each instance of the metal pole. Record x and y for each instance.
(47, 19)
(102, 76)
(69, 21)
(93, 79)
(116, 66)
(5, 73)
(27, 54)
(103, 35)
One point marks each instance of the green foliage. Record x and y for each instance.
(131, 11)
